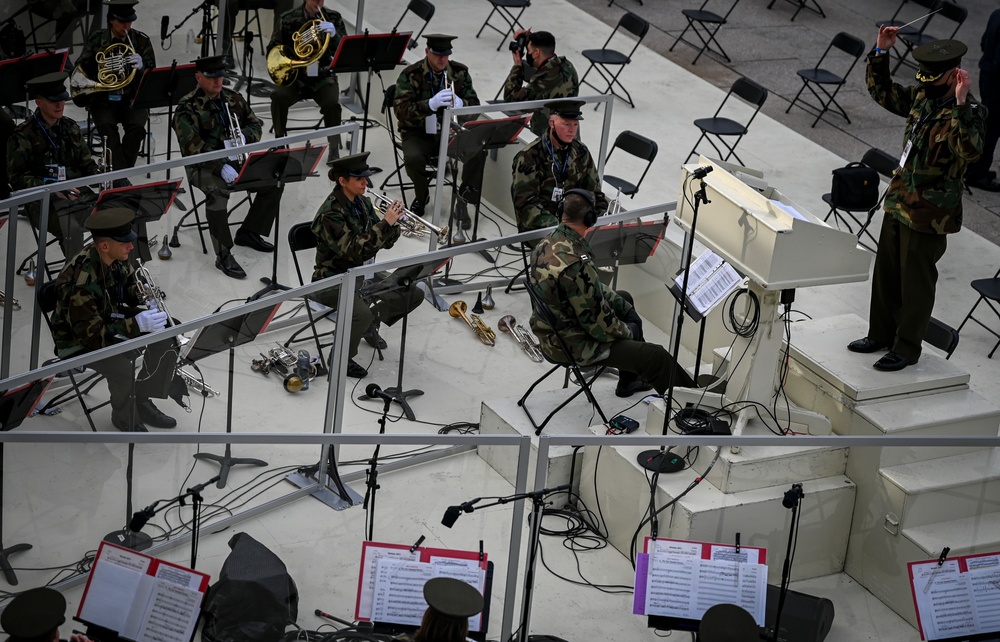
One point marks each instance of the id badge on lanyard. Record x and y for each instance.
(906, 153)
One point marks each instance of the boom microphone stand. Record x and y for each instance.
(140, 518)
(792, 500)
(371, 476)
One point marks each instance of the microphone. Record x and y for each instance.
(164, 25)
(374, 391)
(451, 516)
(139, 519)
(702, 172)
(792, 496)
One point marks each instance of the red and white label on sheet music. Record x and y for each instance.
(957, 598)
(142, 598)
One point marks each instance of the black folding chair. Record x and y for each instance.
(803, 4)
(301, 238)
(723, 128)
(636, 145)
(885, 165)
(989, 293)
(817, 78)
(610, 63)
(506, 9)
(949, 11)
(705, 24)
(423, 10)
(942, 336)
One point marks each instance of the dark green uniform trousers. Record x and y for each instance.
(154, 378)
(419, 149)
(259, 219)
(327, 97)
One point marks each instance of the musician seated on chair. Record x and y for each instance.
(203, 124)
(314, 81)
(349, 233)
(48, 148)
(552, 76)
(111, 108)
(35, 615)
(600, 325)
(423, 90)
(450, 604)
(98, 304)
(551, 166)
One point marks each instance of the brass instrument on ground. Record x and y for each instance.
(284, 361)
(13, 301)
(483, 331)
(196, 384)
(235, 134)
(309, 44)
(409, 220)
(114, 71)
(523, 337)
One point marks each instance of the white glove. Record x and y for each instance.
(136, 61)
(443, 98)
(328, 27)
(229, 174)
(151, 304)
(151, 320)
(458, 101)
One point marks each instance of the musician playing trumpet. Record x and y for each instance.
(98, 304)
(349, 233)
(109, 109)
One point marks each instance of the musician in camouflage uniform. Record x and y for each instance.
(423, 90)
(553, 76)
(551, 165)
(48, 148)
(108, 109)
(944, 133)
(599, 325)
(315, 81)
(349, 233)
(202, 125)
(98, 304)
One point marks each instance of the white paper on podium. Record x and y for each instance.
(685, 586)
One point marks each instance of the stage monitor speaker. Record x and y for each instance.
(804, 618)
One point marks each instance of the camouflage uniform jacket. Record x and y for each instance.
(35, 145)
(348, 234)
(588, 314)
(926, 195)
(291, 21)
(556, 78)
(539, 169)
(101, 40)
(201, 125)
(95, 304)
(415, 87)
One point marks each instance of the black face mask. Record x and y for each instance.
(936, 92)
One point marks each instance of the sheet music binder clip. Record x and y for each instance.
(943, 556)
(481, 555)
(417, 544)
(737, 542)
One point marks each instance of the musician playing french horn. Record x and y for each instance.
(307, 37)
(98, 304)
(111, 56)
(349, 233)
(211, 118)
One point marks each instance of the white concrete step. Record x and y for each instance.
(967, 536)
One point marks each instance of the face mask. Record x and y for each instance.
(935, 92)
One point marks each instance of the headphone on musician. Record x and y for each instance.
(590, 217)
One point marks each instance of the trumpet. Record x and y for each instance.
(524, 338)
(149, 291)
(104, 163)
(196, 384)
(483, 331)
(235, 134)
(410, 221)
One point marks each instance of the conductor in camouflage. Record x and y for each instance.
(600, 326)
(553, 76)
(944, 134)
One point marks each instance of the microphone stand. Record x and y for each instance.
(371, 475)
(795, 496)
(196, 503)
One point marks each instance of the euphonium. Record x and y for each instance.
(483, 331)
(524, 338)
(309, 44)
(114, 71)
(410, 220)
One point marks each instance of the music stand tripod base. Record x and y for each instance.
(325, 495)
(226, 462)
(8, 570)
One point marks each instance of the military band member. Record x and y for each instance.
(550, 166)
(600, 326)
(109, 109)
(48, 148)
(99, 304)
(35, 615)
(553, 77)
(423, 90)
(349, 233)
(202, 125)
(315, 81)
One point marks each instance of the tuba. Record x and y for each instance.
(309, 44)
(114, 72)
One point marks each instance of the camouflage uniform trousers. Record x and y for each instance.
(258, 220)
(326, 93)
(106, 116)
(903, 286)
(419, 149)
(153, 380)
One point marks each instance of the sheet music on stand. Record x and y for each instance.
(138, 597)
(710, 281)
(958, 598)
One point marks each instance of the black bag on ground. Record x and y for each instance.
(254, 599)
(855, 187)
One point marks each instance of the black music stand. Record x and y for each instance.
(15, 406)
(274, 168)
(372, 53)
(16, 72)
(212, 339)
(401, 279)
(624, 244)
(149, 201)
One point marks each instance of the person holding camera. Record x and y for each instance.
(550, 76)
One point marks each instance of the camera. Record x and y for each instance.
(520, 43)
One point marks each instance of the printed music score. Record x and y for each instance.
(140, 597)
(710, 280)
(682, 579)
(958, 597)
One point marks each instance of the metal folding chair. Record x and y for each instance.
(705, 25)
(610, 63)
(818, 78)
(636, 145)
(723, 128)
(505, 9)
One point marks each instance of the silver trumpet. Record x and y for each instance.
(524, 338)
(149, 291)
(409, 219)
(196, 384)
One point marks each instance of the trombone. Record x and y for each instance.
(410, 221)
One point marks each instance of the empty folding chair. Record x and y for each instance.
(803, 4)
(505, 10)
(609, 62)
(989, 292)
(824, 80)
(942, 336)
(705, 24)
(722, 129)
(906, 43)
(639, 146)
(423, 10)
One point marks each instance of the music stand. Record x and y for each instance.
(16, 72)
(149, 201)
(274, 168)
(372, 53)
(624, 244)
(212, 339)
(401, 279)
(15, 406)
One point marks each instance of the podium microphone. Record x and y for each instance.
(702, 172)
(164, 25)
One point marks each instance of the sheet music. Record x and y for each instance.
(944, 600)
(373, 554)
(676, 547)
(686, 586)
(178, 576)
(111, 586)
(984, 578)
(710, 280)
(172, 614)
(747, 555)
(399, 591)
(467, 571)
